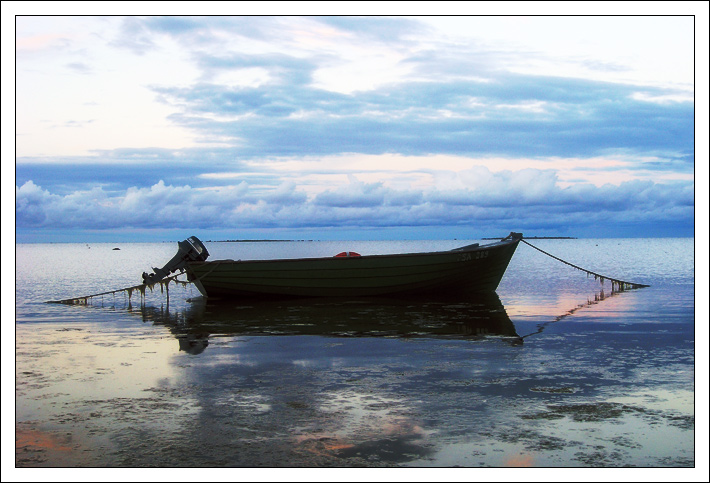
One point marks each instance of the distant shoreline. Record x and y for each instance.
(250, 241)
(491, 238)
(539, 238)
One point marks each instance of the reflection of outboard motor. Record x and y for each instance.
(189, 250)
(193, 345)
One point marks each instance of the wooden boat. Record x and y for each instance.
(477, 268)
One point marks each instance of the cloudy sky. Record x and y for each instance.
(157, 128)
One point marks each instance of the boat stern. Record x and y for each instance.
(189, 250)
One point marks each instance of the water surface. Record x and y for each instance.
(554, 370)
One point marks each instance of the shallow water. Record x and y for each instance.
(549, 372)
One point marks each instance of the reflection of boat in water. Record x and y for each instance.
(479, 268)
(469, 315)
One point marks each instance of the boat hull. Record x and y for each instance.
(474, 268)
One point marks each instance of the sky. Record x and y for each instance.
(345, 127)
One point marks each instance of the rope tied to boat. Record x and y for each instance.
(616, 284)
(164, 283)
(129, 290)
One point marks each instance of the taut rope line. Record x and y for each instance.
(141, 288)
(621, 285)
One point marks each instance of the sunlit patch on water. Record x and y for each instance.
(255, 403)
(556, 390)
(368, 430)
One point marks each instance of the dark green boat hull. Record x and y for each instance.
(474, 268)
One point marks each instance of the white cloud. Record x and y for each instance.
(665, 98)
(651, 50)
(526, 197)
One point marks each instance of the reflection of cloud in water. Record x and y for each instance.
(257, 403)
(520, 461)
(566, 304)
(34, 438)
(372, 428)
(559, 303)
(680, 400)
(36, 447)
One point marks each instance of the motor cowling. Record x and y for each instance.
(189, 250)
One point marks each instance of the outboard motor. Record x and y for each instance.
(189, 250)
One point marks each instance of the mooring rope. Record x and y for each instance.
(620, 284)
(141, 288)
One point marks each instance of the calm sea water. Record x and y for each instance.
(554, 371)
